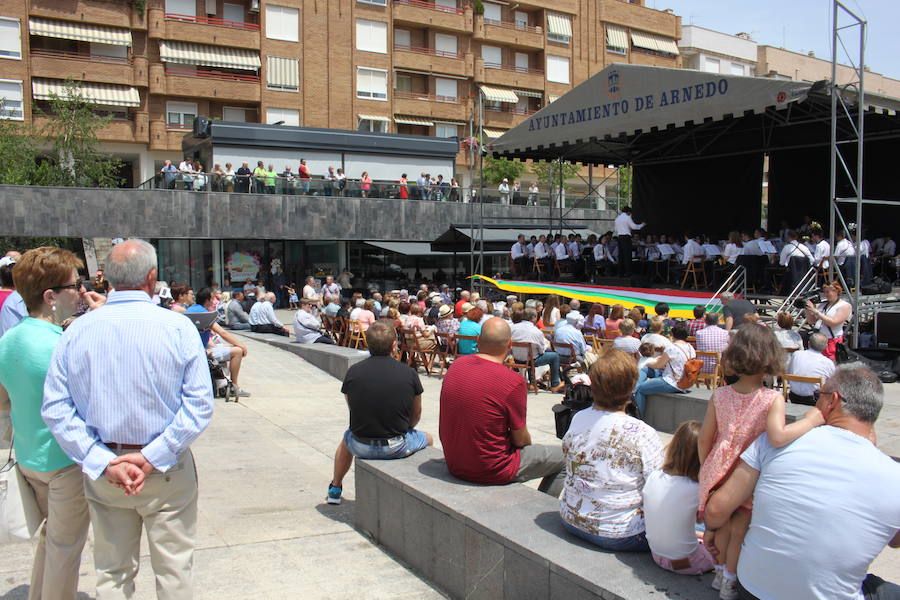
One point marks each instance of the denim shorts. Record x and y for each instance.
(398, 447)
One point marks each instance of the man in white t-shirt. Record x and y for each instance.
(809, 363)
(824, 506)
(823, 249)
(519, 255)
(793, 248)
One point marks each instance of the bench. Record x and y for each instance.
(492, 542)
(334, 360)
(665, 412)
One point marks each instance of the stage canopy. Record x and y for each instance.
(697, 141)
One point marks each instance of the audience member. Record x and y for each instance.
(711, 338)
(471, 326)
(307, 327)
(566, 333)
(809, 363)
(366, 316)
(595, 319)
(263, 319)
(233, 354)
(524, 330)
(235, 316)
(656, 325)
(671, 361)
(787, 337)
(616, 314)
(446, 322)
(331, 306)
(551, 312)
(463, 299)
(734, 309)
(830, 316)
(698, 322)
(626, 342)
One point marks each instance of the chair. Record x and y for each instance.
(692, 341)
(417, 355)
(457, 337)
(590, 338)
(527, 365)
(357, 335)
(693, 269)
(538, 268)
(605, 344)
(787, 377)
(567, 359)
(328, 324)
(716, 376)
(342, 330)
(611, 334)
(444, 350)
(548, 333)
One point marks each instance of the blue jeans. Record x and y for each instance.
(239, 326)
(398, 447)
(657, 385)
(552, 359)
(635, 543)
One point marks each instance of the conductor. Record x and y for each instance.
(624, 225)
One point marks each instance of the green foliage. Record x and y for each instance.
(624, 175)
(479, 7)
(139, 6)
(70, 133)
(498, 169)
(547, 173)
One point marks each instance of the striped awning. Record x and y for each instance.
(407, 120)
(283, 73)
(498, 94)
(81, 32)
(651, 41)
(551, 98)
(98, 93)
(616, 37)
(184, 53)
(528, 94)
(375, 118)
(558, 24)
(493, 133)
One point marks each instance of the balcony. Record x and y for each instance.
(422, 13)
(82, 66)
(429, 59)
(116, 130)
(513, 76)
(202, 30)
(430, 105)
(506, 116)
(177, 81)
(507, 32)
(101, 12)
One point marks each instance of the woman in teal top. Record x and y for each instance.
(47, 279)
(470, 326)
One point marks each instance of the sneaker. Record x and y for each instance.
(729, 589)
(334, 496)
(717, 580)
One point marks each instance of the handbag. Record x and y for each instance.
(20, 516)
(691, 371)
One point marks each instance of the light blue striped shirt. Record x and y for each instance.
(13, 311)
(129, 372)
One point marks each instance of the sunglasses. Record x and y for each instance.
(73, 286)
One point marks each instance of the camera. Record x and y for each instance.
(813, 296)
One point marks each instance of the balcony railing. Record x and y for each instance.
(513, 25)
(212, 21)
(212, 74)
(427, 97)
(514, 68)
(80, 56)
(510, 108)
(432, 6)
(429, 51)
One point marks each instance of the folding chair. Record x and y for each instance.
(444, 351)
(787, 377)
(611, 334)
(456, 338)
(567, 359)
(417, 355)
(591, 339)
(526, 365)
(539, 269)
(693, 269)
(328, 325)
(692, 341)
(715, 377)
(357, 335)
(342, 330)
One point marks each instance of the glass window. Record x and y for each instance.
(710, 65)
(492, 56)
(283, 74)
(445, 88)
(446, 3)
(211, 8)
(181, 114)
(186, 261)
(373, 125)
(403, 82)
(11, 102)
(238, 115)
(371, 83)
(493, 12)
(557, 69)
(371, 36)
(290, 116)
(446, 130)
(233, 12)
(111, 50)
(445, 44)
(737, 69)
(376, 2)
(282, 23)
(402, 38)
(182, 7)
(10, 38)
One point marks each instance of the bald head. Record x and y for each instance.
(131, 265)
(495, 337)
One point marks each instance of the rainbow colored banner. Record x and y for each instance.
(681, 302)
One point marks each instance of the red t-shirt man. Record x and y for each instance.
(303, 170)
(457, 311)
(481, 402)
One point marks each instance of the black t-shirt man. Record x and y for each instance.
(736, 309)
(380, 393)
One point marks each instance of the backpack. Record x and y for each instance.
(691, 371)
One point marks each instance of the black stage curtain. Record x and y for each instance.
(712, 196)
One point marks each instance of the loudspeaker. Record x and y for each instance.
(201, 127)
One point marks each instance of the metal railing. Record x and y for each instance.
(510, 108)
(428, 97)
(221, 75)
(806, 284)
(63, 54)
(514, 68)
(432, 6)
(736, 283)
(513, 25)
(426, 50)
(212, 21)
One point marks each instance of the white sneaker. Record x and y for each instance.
(729, 589)
(717, 580)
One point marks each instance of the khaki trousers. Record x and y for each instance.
(57, 558)
(167, 509)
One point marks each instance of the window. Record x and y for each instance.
(446, 3)
(492, 56)
(181, 114)
(10, 38)
(371, 36)
(283, 74)
(11, 105)
(710, 65)
(290, 116)
(371, 83)
(373, 125)
(492, 12)
(737, 69)
(557, 69)
(211, 8)
(375, 2)
(446, 130)
(182, 7)
(110, 50)
(616, 39)
(402, 38)
(559, 28)
(238, 115)
(445, 88)
(282, 23)
(233, 12)
(445, 44)
(521, 19)
(522, 62)
(403, 83)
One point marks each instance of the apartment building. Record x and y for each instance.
(787, 64)
(398, 66)
(716, 52)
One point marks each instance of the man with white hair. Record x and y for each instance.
(809, 363)
(734, 309)
(464, 296)
(307, 327)
(357, 308)
(129, 383)
(575, 304)
(263, 319)
(309, 290)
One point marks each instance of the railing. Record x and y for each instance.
(513, 25)
(432, 6)
(63, 54)
(736, 283)
(428, 97)
(211, 74)
(510, 108)
(514, 68)
(429, 51)
(212, 21)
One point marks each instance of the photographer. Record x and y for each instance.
(830, 316)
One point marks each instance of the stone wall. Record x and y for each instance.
(83, 212)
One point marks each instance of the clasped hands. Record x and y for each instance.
(129, 472)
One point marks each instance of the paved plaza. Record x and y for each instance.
(264, 465)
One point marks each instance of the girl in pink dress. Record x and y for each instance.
(736, 415)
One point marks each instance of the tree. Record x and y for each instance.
(547, 173)
(498, 169)
(624, 175)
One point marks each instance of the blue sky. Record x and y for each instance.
(799, 25)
